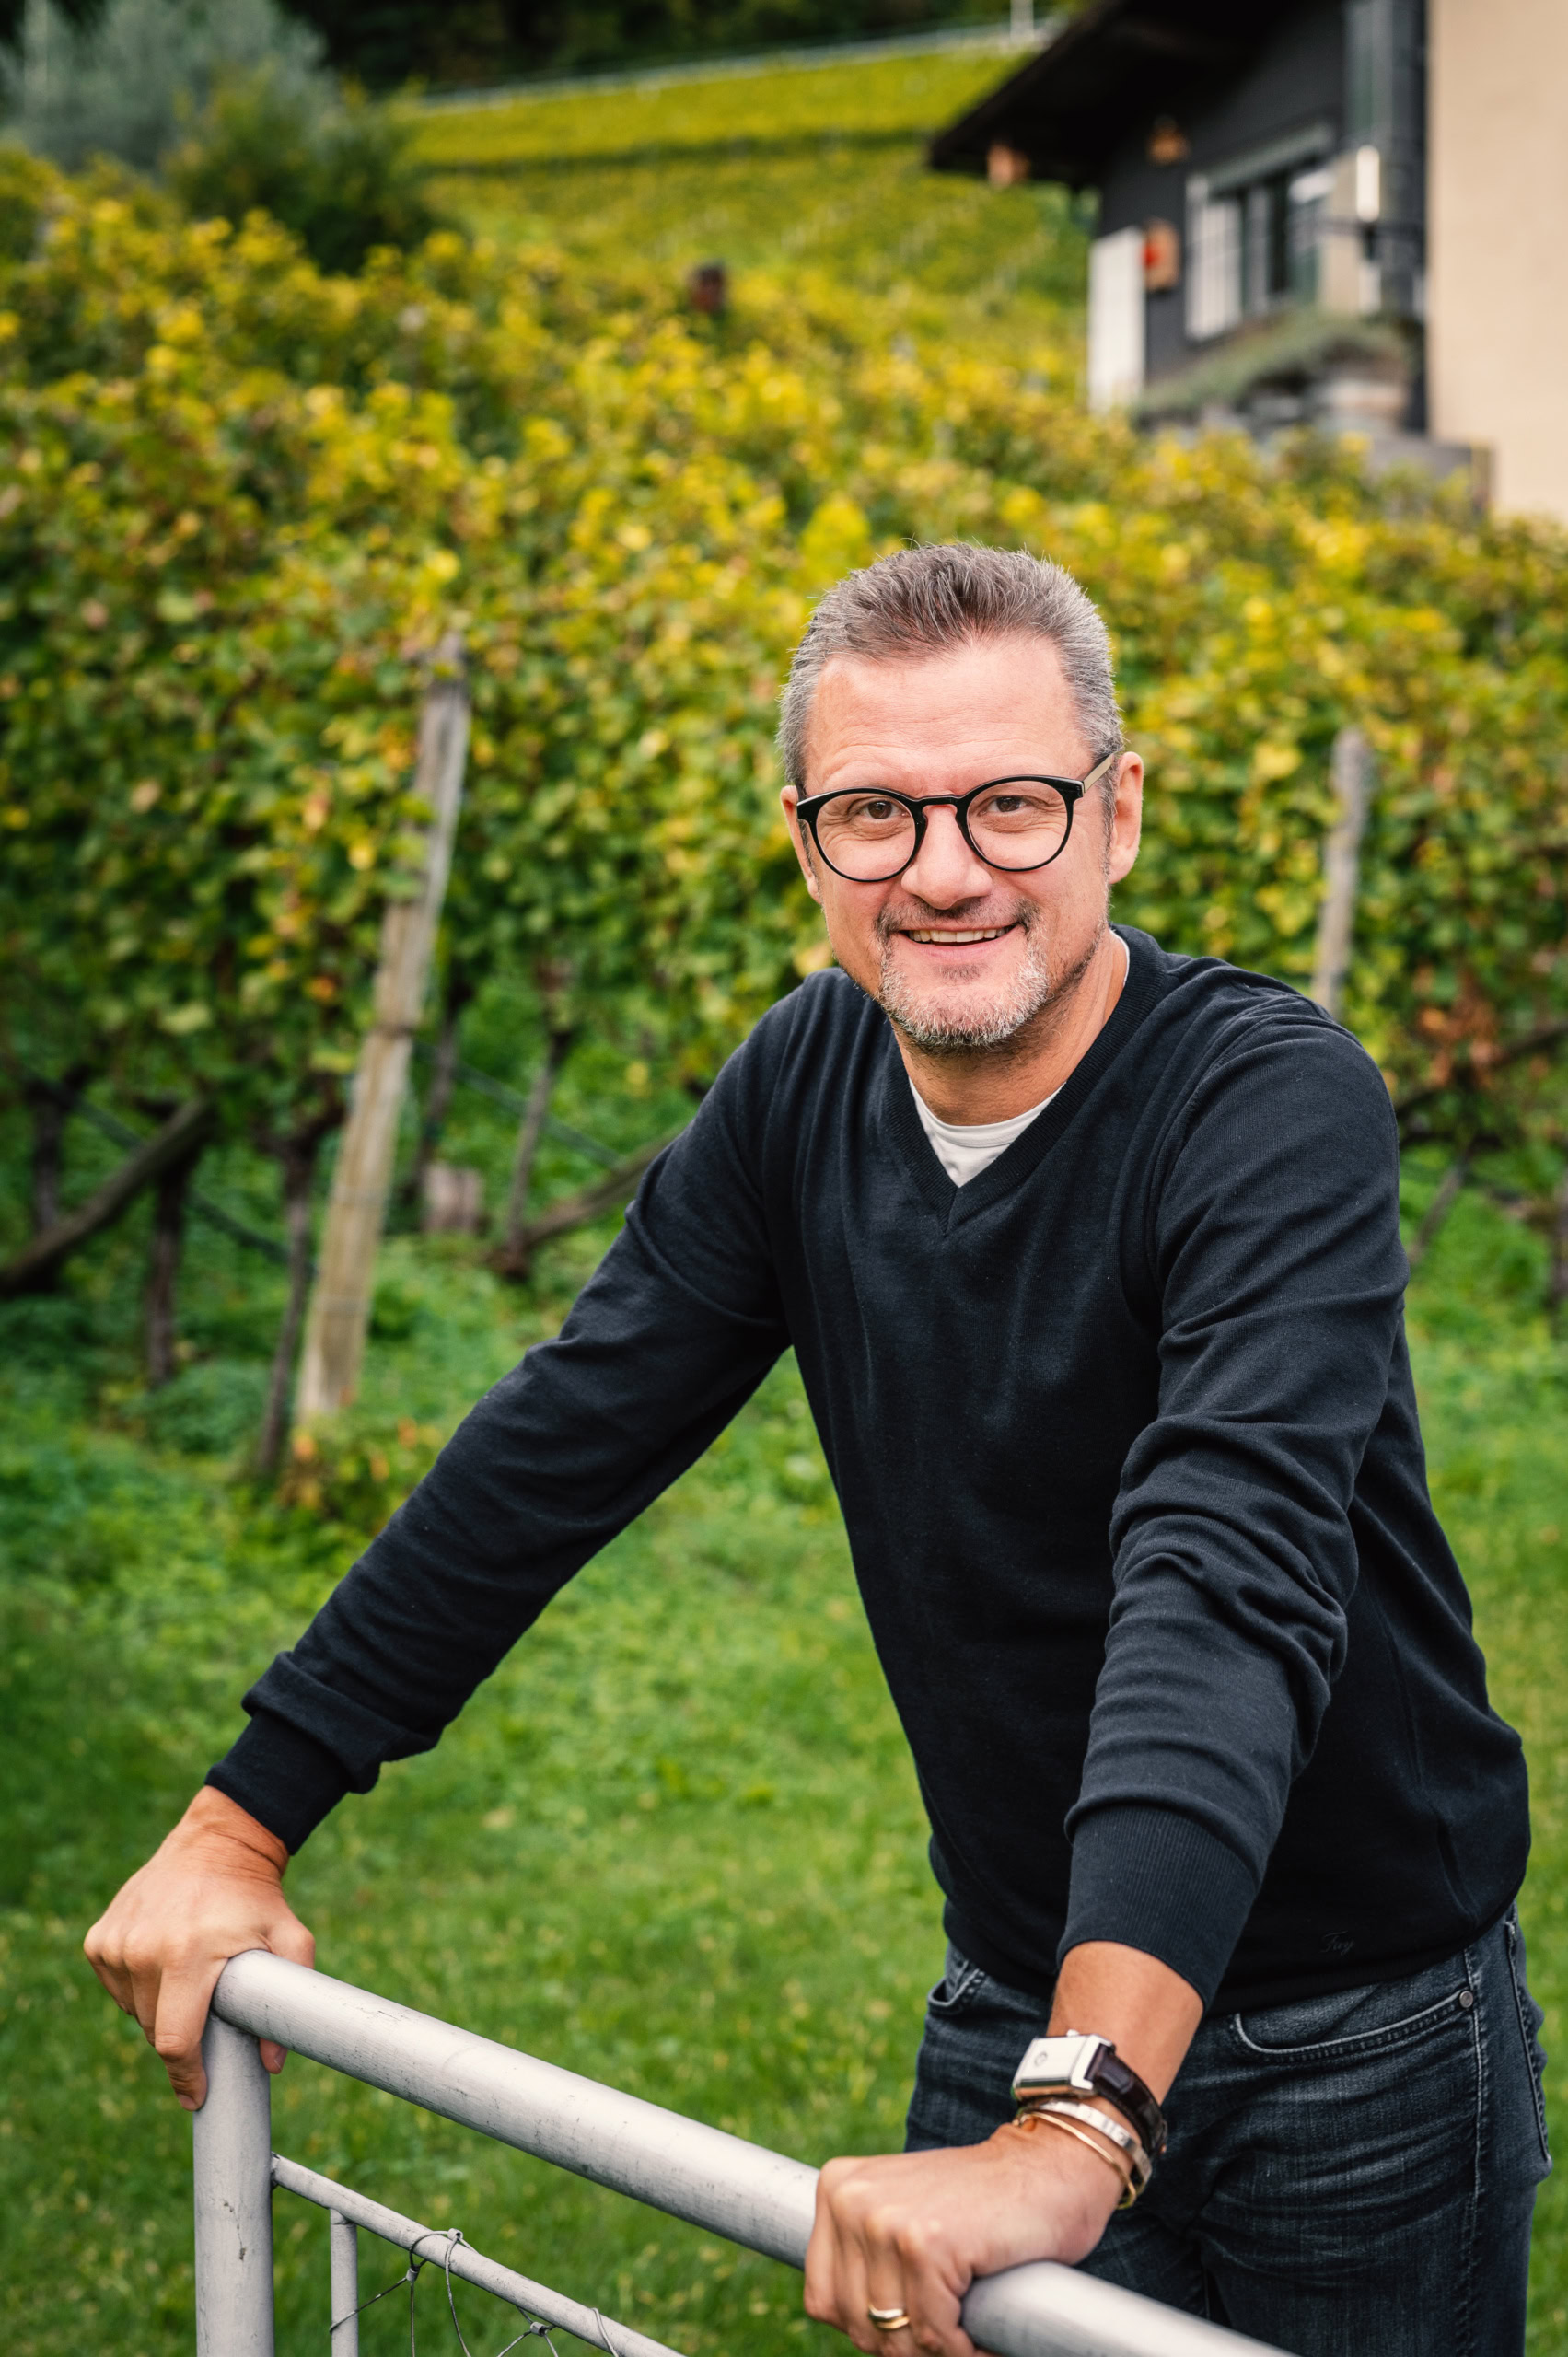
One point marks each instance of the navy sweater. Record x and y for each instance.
(1126, 1444)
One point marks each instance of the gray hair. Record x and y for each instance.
(926, 601)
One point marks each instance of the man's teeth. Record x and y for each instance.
(995, 934)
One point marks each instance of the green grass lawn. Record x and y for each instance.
(675, 1843)
(1494, 1407)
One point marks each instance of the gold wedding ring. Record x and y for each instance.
(889, 2320)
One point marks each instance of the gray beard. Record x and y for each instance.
(1035, 989)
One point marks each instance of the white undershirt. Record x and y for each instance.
(966, 1148)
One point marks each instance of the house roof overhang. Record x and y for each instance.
(1118, 62)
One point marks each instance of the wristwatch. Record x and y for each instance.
(1078, 2063)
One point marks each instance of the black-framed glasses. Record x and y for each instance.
(868, 834)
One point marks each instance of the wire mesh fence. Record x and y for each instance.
(445, 2251)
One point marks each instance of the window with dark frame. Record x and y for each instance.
(1254, 234)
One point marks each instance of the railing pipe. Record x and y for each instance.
(712, 2179)
(697, 2173)
(232, 2153)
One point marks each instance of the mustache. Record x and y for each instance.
(967, 916)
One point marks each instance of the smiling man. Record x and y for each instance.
(1089, 1255)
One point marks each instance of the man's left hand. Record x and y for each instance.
(911, 2231)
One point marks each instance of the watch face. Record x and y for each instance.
(1085, 2065)
(1064, 2061)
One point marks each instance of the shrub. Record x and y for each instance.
(343, 177)
(46, 1330)
(208, 1410)
(24, 195)
(395, 1311)
(357, 1468)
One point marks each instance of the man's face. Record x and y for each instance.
(964, 957)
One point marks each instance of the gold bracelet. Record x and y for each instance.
(1082, 2136)
(1060, 2107)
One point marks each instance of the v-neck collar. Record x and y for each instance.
(1027, 1150)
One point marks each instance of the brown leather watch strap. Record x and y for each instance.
(1111, 2076)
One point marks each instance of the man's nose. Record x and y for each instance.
(944, 870)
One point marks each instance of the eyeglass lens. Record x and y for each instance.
(868, 836)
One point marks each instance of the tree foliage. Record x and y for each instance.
(125, 77)
(391, 41)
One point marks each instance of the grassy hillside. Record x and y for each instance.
(817, 168)
(768, 104)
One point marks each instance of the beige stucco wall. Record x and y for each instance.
(1498, 197)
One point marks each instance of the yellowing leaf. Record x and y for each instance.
(181, 1021)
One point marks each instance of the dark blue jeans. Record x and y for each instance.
(1349, 2176)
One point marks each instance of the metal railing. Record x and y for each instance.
(712, 2179)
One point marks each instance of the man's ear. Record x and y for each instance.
(1126, 818)
(789, 795)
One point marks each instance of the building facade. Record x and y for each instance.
(1497, 326)
(1311, 210)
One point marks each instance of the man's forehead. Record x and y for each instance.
(982, 694)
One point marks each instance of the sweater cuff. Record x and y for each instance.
(1151, 1879)
(282, 1778)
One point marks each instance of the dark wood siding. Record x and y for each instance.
(1300, 78)
(1297, 80)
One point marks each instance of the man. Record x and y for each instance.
(1089, 1255)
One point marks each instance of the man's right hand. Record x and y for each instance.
(212, 1889)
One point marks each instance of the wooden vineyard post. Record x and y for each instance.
(339, 1316)
(1341, 868)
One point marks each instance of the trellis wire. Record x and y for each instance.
(514, 1100)
(202, 1207)
(121, 1134)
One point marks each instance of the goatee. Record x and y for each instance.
(1035, 986)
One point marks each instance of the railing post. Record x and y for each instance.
(344, 2240)
(233, 2164)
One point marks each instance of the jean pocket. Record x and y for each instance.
(960, 1984)
(1352, 2025)
(1529, 2018)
